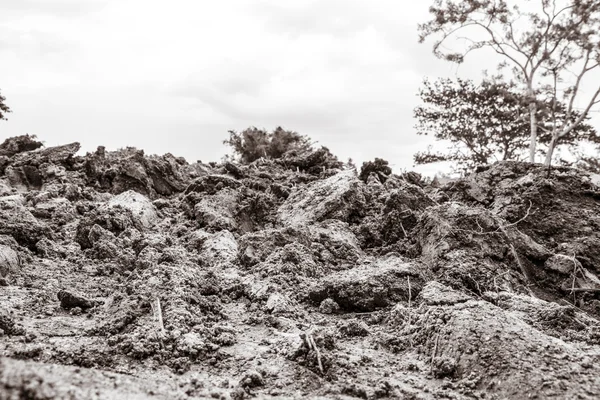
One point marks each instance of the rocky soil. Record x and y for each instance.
(127, 276)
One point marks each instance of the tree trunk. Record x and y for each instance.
(551, 147)
(533, 124)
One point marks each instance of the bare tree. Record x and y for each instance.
(549, 45)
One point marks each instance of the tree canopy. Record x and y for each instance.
(551, 48)
(485, 123)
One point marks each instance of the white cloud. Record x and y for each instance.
(175, 76)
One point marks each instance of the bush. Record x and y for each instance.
(379, 167)
(252, 143)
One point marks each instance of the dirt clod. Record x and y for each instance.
(293, 278)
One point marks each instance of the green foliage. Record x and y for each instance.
(252, 143)
(486, 122)
(379, 167)
(3, 107)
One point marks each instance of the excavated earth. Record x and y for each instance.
(126, 276)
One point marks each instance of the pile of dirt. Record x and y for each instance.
(124, 275)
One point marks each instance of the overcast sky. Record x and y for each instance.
(176, 76)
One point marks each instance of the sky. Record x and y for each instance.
(176, 76)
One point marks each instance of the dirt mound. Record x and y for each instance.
(124, 275)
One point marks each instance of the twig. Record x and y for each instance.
(403, 231)
(498, 276)
(437, 341)
(521, 220)
(585, 290)
(500, 228)
(476, 284)
(409, 291)
(311, 340)
(159, 317)
(524, 270)
(573, 282)
(409, 322)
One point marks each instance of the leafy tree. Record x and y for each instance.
(3, 107)
(485, 123)
(551, 47)
(252, 143)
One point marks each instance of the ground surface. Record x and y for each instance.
(131, 276)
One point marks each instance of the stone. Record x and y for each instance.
(563, 264)
(70, 300)
(369, 286)
(278, 304)
(337, 197)
(220, 248)
(10, 262)
(144, 212)
(435, 293)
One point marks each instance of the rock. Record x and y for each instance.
(142, 209)
(476, 337)
(10, 262)
(354, 328)
(391, 213)
(338, 197)
(191, 344)
(212, 184)
(12, 201)
(313, 161)
(9, 326)
(331, 242)
(129, 169)
(117, 218)
(217, 212)
(563, 264)
(30, 170)
(595, 180)
(5, 188)
(19, 144)
(278, 304)
(251, 379)
(334, 243)
(467, 246)
(443, 367)
(329, 306)
(434, 293)
(18, 222)
(369, 287)
(70, 300)
(220, 248)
